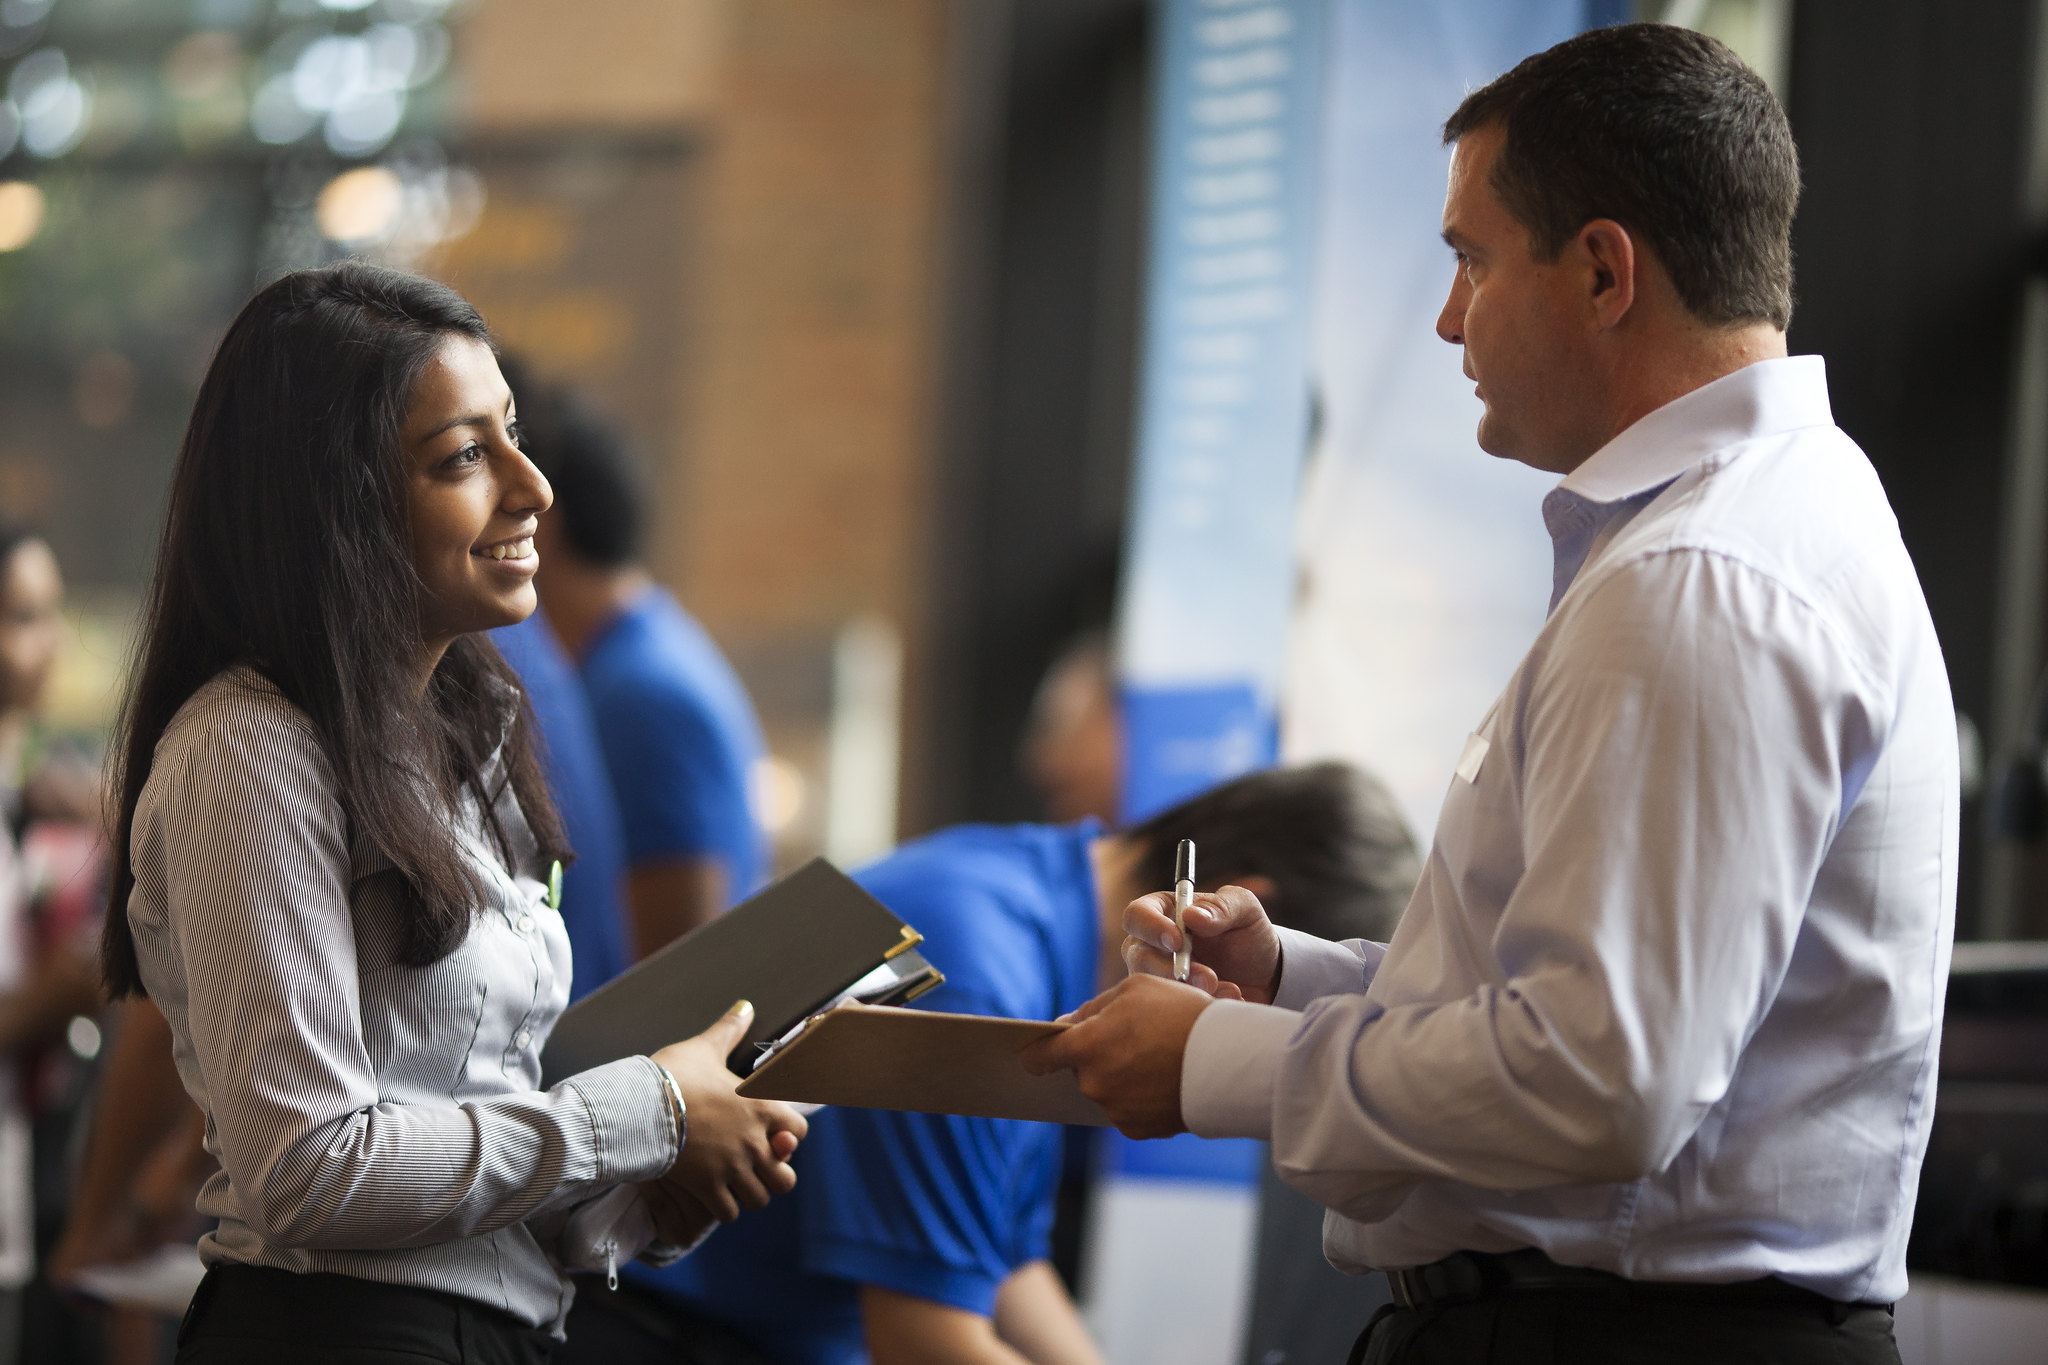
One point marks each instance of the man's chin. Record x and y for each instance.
(1493, 438)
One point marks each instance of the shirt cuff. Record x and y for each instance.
(1311, 967)
(1228, 1072)
(630, 1119)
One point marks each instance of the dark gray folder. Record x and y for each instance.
(794, 949)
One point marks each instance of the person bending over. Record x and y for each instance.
(922, 1237)
(332, 859)
(678, 730)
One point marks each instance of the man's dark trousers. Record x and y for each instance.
(1574, 1327)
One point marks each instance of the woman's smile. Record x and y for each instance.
(515, 554)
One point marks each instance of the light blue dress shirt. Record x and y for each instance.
(1667, 1001)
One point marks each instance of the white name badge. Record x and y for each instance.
(1474, 755)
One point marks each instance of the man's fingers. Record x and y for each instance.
(1142, 959)
(1222, 910)
(783, 1145)
(779, 1178)
(1149, 919)
(1048, 1055)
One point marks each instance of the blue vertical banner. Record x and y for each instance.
(1224, 403)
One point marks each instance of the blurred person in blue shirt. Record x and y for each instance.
(593, 885)
(677, 731)
(925, 1237)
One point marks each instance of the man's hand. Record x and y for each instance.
(736, 1152)
(1126, 1047)
(1237, 950)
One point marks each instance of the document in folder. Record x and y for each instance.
(808, 942)
(876, 1057)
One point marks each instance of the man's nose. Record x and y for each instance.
(1450, 323)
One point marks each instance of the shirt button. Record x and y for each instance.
(522, 1038)
(525, 925)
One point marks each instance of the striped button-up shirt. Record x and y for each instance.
(371, 1118)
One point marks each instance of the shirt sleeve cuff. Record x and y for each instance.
(1311, 967)
(630, 1119)
(1228, 1071)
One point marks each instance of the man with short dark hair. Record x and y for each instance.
(678, 731)
(1646, 1072)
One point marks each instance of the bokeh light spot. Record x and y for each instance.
(22, 209)
(778, 793)
(203, 65)
(361, 205)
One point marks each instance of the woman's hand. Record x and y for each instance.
(736, 1152)
(679, 1220)
(1236, 950)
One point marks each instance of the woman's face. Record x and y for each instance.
(474, 499)
(31, 594)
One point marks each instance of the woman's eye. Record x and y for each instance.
(518, 434)
(465, 457)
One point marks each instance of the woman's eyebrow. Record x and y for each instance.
(473, 419)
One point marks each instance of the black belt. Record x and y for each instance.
(1466, 1276)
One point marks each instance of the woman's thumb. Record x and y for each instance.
(732, 1027)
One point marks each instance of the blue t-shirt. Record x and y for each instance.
(680, 740)
(591, 886)
(935, 1206)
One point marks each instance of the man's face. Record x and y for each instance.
(1515, 318)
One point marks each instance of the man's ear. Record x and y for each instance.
(1609, 253)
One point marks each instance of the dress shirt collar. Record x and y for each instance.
(1624, 476)
(1764, 399)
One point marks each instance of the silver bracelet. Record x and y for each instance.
(676, 1106)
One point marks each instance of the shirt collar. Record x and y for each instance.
(1766, 398)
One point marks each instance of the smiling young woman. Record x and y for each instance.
(332, 861)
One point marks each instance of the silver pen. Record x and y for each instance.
(1183, 897)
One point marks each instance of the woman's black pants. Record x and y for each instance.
(243, 1315)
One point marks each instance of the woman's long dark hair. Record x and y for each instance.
(286, 548)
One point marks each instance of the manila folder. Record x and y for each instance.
(880, 1057)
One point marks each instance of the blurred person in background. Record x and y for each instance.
(925, 1237)
(593, 886)
(144, 1163)
(1073, 749)
(49, 870)
(331, 862)
(679, 735)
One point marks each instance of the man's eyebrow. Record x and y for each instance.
(1453, 239)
